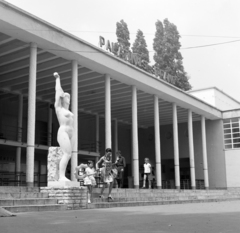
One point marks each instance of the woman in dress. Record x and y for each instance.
(108, 174)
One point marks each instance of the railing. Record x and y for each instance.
(13, 133)
(185, 184)
(9, 132)
(19, 179)
(200, 184)
(88, 145)
(168, 184)
(41, 138)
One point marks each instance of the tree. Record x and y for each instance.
(140, 47)
(123, 38)
(167, 56)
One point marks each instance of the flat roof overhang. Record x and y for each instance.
(66, 47)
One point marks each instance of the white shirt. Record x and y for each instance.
(147, 167)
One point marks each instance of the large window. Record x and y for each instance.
(231, 133)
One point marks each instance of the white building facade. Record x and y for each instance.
(115, 105)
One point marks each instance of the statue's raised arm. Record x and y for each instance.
(59, 93)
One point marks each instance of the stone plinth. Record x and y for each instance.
(54, 156)
(63, 184)
(73, 197)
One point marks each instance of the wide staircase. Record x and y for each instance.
(27, 199)
(143, 197)
(30, 199)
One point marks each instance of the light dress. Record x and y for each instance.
(108, 173)
(89, 179)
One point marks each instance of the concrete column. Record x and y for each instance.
(19, 138)
(176, 147)
(191, 150)
(31, 116)
(115, 137)
(204, 149)
(74, 108)
(135, 138)
(157, 143)
(97, 137)
(97, 133)
(49, 124)
(108, 133)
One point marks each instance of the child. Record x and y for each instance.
(147, 171)
(88, 177)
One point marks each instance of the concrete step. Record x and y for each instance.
(113, 204)
(27, 201)
(20, 195)
(35, 208)
(167, 191)
(173, 198)
(163, 195)
(133, 199)
(14, 189)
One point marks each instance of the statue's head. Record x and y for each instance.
(66, 100)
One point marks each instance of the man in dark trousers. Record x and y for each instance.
(120, 165)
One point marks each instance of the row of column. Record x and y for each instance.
(108, 139)
(135, 152)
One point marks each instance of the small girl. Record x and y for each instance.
(88, 176)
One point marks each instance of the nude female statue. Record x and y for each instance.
(65, 131)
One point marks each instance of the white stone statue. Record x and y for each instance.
(65, 131)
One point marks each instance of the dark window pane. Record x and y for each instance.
(235, 135)
(228, 146)
(235, 130)
(236, 145)
(227, 141)
(234, 120)
(227, 130)
(227, 126)
(236, 140)
(235, 125)
(226, 121)
(226, 136)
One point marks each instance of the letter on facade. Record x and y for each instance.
(108, 46)
(101, 41)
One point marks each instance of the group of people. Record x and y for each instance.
(109, 172)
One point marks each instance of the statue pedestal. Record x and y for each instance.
(73, 197)
(63, 184)
(54, 156)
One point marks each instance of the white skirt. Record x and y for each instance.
(89, 180)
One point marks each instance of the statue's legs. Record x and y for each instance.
(65, 145)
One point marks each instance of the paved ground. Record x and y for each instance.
(221, 217)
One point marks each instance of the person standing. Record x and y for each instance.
(147, 171)
(120, 165)
(107, 172)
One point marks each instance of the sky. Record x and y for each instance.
(199, 22)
